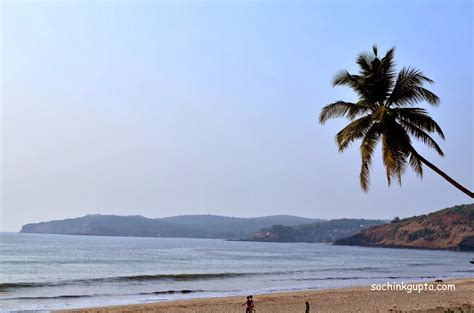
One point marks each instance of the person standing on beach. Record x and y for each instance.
(249, 304)
(252, 306)
(307, 307)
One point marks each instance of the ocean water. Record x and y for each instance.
(46, 272)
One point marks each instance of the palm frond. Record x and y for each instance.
(395, 150)
(420, 118)
(409, 90)
(344, 78)
(375, 49)
(377, 76)
(416, 164)
(367, 148)
(422, 136)
(342, 109)
(364, 60)
(355, 130)
(387, 67)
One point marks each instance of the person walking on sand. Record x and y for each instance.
(248, 309)
(252, 306)
(307, 307)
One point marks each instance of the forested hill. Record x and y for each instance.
(187, 226)
(320, 231)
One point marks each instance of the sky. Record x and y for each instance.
(195, 107)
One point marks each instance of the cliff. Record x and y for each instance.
(451, 228)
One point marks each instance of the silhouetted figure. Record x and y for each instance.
(249, 304)
(306, 310)
(252, 306)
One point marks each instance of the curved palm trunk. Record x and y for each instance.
(445, 176)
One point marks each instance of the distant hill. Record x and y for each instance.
(233, 227)
(187, 226)
(451, 228)
(320, 231)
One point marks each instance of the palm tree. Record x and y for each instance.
(385, 113)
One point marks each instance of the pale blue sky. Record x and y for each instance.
(166, 108)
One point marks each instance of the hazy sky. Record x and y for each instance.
(166, 108)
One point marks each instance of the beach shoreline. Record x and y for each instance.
(351, 299)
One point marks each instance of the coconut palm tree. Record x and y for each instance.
(385, 113)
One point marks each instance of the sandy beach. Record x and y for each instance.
(356, 299)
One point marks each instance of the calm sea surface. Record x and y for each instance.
(45, 272)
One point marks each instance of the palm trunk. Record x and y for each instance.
(445, 176)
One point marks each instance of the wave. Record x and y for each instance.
(348, 269)
(177, 277)
(52, 297)
(169, 292)
(4, 286)
(165, 292)
(425, 264)
(136, 278)
(361, 277)
(189, 277)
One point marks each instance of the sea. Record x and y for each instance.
(49, 272)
